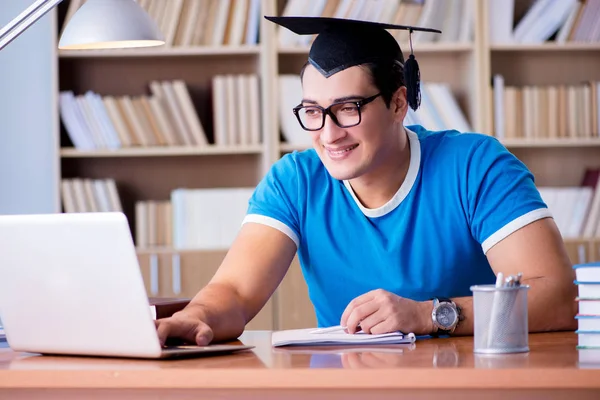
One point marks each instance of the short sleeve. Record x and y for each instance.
(275, 199)
(501, 193)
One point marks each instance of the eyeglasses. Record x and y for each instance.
(344, 114)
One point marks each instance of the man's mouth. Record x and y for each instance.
(340, 152)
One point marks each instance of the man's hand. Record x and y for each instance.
(380, 311)
(182, 325)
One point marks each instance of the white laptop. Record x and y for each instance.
(70, 284)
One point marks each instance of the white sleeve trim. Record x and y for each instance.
(273, 223)
(513, 226)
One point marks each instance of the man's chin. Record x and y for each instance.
(342, 174)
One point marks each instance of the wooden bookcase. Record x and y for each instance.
(151, 173)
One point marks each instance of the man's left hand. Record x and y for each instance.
(380, 311)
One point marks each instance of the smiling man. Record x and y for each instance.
(390, 223)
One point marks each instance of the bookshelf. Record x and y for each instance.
(151, 173)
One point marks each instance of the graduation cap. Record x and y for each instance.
(344, 43)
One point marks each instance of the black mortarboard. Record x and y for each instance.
(344, 43)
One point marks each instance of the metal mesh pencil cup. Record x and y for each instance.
(500, 319)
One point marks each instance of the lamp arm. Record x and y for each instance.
(24, 20)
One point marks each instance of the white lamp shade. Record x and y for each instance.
(104, 24)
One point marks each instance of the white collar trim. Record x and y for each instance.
(409, 181)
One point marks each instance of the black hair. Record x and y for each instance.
(387, 78)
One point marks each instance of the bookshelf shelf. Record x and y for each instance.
(549, 46)
(558, 143)
(418, 47)
(164, 52)
(160, 152)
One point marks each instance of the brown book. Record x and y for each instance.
(166, 307)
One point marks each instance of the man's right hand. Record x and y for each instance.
(184, 326)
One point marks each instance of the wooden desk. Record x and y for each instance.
(434, 368)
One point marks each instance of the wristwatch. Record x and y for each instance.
(445, 316)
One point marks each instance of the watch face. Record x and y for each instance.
(445, 315)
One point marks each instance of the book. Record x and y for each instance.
(336, 336)
(588, 306)
(588, 323)
(165, 307)
(587, 273)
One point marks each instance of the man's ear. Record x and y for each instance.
(399, 104)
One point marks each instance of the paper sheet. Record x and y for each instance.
(312, 337)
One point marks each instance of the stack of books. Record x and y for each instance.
(588, 315)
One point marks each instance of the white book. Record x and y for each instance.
(549, 22)
(336, 336)
(343, 8)
(315, 10)
(580, 211)
(588, 340)
(68, 196)
(452, 21)
(102, 195)
(290, 95)
(388, 12)
(589, 307)
(535, 13)
(219, 96)
(499, 113)
(243, 107)
(81, 204)
(110, 133)
(428, 111)
(467, 22)
(588, 323)
(232, 112)
(91, 122)
(565, 30)
(253, 23)
(501, 20)
(76, 130)
(255, 108)
(113, 195)
(588, 290)
(432, 16)
(589, 273)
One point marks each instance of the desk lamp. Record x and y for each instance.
(97, 24)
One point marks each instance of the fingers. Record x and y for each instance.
(376, 318)
(190, 330)
(162, 330)
(357, 301)
(384, 326)
(359, 313)
(204, 336)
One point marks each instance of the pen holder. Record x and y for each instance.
(500, 319)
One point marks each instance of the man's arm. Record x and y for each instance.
(249, 274)
(536, 250)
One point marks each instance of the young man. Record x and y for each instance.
(390, 223)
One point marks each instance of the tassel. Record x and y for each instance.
(412, 79)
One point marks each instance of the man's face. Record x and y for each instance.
(348, 153)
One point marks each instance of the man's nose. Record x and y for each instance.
(331, 133)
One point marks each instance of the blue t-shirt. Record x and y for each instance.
(463, 193)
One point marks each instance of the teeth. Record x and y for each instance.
(338, 152)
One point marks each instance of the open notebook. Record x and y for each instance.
(336, 336)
